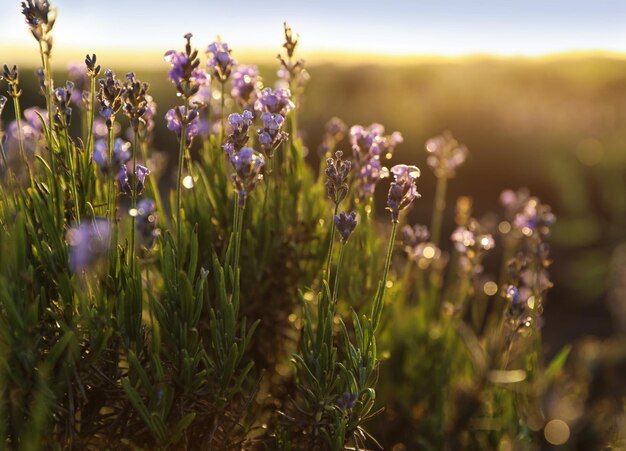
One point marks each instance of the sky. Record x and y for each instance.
(364, 27)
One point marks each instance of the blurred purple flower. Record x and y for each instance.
(89, 243)
(368, 177)
(371, 142)
(146, 223)
(121, 154)
(445, 154)
(175, 118)
(246, 81)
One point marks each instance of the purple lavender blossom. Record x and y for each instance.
(121, 154)
(146, 223)
(78, 74)
(335, 131)
(270, 135)
(238, 136)
(347, 401)
(246, 81)
(126, 185)
(345, 225)
(62, 100)
(89, 243)
(274, 101)
(248, 165)
(337, 171)
(467, 239)
(402, 191)
(371, 142)
(220, 62)
(110, 97)
(534, 217)
(185, 72)
(445, 154)
(368, 177)
(175, 118)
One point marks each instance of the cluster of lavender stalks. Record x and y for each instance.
(90, 180)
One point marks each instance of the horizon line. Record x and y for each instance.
(29, 56)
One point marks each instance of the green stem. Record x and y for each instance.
(439, 207)
(111, 181)
(337, 273)
(223, 100)
(92, 113)
(380, 299)
(18, 121)
(183, 146)
(133, 200)
(240, 213)
(330, 246)
(72, 161)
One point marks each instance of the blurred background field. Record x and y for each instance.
(554, 124)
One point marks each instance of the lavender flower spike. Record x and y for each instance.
(146, 223)
(270, 135)
(402, 191)
(247, 164)
(220, 62)
(345, 225)
(337, 171)
(121, 154)
(175, 118)
(238, 137)
(275, 102)
(246, 82)
(185, 72)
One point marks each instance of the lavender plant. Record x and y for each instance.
(247, 307)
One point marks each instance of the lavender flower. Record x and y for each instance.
(446, 154)
(247, 164)
(175, 118)
(274, 101)
(368, 177)
(270, 135)
(146, 223)
(40, 19)
(62, 111)
(89, 243)
(402, 191)
(238, 137)
(92, 68)
(185, 72)
(534, 217)
(110, 97)
(219, 60)
(246, 82)
(77, 73)
(135, 100)
(292, 73)
(126, 185)
(121, 154)
(335, 131)
(347, 401)
(337, 171)
(371, 142)
(11, 75)
(345, 225)
(468, 240)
